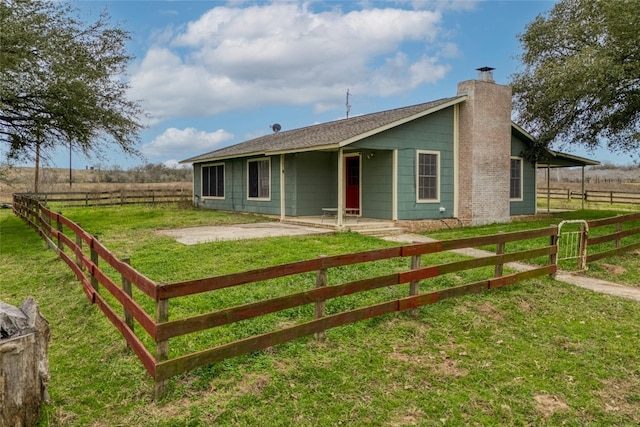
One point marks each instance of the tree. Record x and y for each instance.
(581, 82)
(62, 82)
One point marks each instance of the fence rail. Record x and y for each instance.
(619, 247)
(84, 254)
(114, 197)
(591, 196)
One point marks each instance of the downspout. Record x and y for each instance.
(282, 189)
(340, 188)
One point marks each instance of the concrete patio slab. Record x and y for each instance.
(204, 234)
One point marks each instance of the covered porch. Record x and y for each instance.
(555, 159)
(341, 188)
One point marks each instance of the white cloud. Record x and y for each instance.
(463, 5)
(174, 164)
(183, 143)
(283, 53)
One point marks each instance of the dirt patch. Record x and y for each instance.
(448, 367)
(615, 396)
(548, 405)
(410, 417)
(488, 310)
(405, 357)
(525, 306)
(253, 383)
(613, 269)
(442, 364)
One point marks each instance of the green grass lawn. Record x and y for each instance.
(538, 353)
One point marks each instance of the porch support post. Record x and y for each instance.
(282, 189)
(583, 195)
(394, 187)
(548, 188)
(340, 187)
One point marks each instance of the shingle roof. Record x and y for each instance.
(327, 135)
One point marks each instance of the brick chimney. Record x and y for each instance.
(484, 150)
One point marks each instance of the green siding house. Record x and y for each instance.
(458, 157)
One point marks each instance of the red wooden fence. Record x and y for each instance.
(123, 196)
(84, 254)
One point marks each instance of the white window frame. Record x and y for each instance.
(520, 198)
(224, 174)
(263, 199)
(438, 176)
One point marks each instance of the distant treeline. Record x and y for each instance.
(609, 166)
(147, 173)
(150, 172)
(598, 180)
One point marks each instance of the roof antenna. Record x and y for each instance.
(347, 104)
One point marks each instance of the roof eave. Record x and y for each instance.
(580, 161)
(200, 159)
(522, 131)
(304, 149)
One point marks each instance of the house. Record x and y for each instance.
(458, 157)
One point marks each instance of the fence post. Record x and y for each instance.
(60, 231)
(126, 287)
(162, 347)
(31, 212)
(321, 281)
(582, 258)
(94, 260)
(79, 245)
(611, 197)
(618, 230)
(38, 219)
(45, 221)
(499, 251)
(553, 258)
(414, 286)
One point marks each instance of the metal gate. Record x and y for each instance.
(572, 244)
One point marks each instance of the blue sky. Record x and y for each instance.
(214, 73)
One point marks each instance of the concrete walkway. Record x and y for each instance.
(596, 285)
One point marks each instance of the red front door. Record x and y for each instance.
(352, 184)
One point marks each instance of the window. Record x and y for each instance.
(515, 189)
(259, 180)
(213, 180)
(428, 170)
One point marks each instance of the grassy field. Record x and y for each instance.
(52, 180)
(575, 204)
(537, 353)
